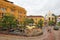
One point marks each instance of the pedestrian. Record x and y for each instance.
(49, 29)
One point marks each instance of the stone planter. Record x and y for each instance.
(27, 32)
(33, 32)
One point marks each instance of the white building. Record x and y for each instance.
(58, 18)
(50, 16)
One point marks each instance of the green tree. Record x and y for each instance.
(55, 18)
(8, 22)
(40, 23)
(22, 25)
(29, 21)
(51, 23)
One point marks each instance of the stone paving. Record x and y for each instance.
(57, 35)
(54, 35)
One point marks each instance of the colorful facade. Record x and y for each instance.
(36, 18)
(8, 7)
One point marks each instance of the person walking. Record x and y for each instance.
(49, 29)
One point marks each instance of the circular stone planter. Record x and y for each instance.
(26, 33)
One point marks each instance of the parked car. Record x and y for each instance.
(56, 28)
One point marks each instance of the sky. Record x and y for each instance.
(39, 7)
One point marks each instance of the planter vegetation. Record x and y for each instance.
(40, 24)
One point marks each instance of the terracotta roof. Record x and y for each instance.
(34, 16)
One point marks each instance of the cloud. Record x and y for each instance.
(39, 7)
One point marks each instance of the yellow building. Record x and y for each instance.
(36, 18)
(10, 8)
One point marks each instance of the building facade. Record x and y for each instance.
(50, 16)
(58, 18)
(8, 7)
(36, 18)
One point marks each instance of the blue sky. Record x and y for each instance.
(39, 7)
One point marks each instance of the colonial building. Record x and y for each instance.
(9, 8)
(36, 18)
(50, 16)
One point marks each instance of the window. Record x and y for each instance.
(36, 19)
(52, 18)
(40, 19)
(49, 18)
(3, 14)
(12, 11)
(19, 12)
(24, 16)
(24, 13)
(3, 9)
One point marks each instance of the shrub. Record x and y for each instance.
(56, 28)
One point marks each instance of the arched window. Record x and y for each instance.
(49, 18)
